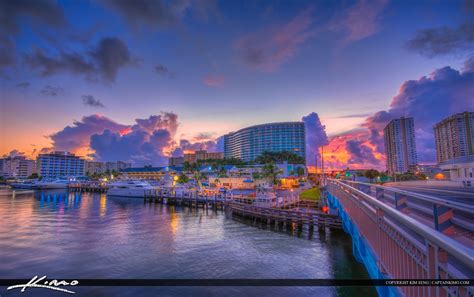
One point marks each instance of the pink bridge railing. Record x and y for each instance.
(404, 247)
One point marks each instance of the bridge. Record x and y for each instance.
(398, 234)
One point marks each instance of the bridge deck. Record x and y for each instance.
(401, 247)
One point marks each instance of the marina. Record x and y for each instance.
(263, 206)
(89, 235)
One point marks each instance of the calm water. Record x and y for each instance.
(71, 236)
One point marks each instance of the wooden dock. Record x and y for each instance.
(295, 215)
(94, 188)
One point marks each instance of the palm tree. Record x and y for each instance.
(222, 172)
(270, 172)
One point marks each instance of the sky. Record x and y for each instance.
(143, 80)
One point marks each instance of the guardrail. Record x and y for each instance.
(405, 248)
(445, 214)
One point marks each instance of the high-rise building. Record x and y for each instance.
(400, 148)
(17, 167)
(95, 167)
(454, 136)
(60, 164)
(249, 143)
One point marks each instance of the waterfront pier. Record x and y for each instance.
(282, 211)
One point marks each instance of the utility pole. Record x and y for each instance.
(322, 165)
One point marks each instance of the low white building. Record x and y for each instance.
(461, 170)
(17, 167)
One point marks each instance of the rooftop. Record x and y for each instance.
(459, 160)
(154, 169)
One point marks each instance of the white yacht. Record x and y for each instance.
(55, 184)
(24, 184)
(130, 188)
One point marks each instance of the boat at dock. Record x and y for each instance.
(130, 188)
(55, 184)
(24, 184)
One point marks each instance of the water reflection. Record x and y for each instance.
(74, 235)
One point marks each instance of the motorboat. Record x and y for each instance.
(130, 188)
(55, 184)
(24, 184)
(265, 197)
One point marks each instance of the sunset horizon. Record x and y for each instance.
(99, 76)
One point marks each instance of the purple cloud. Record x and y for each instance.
(359, 152)
(78, 135)
(102, 62)
(138, 146)
(315, 137)
(428, 100)
(166, 120)
(144, 143)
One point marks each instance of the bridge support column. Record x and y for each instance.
(401, 202)
(443, 219)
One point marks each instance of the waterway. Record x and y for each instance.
(72, 236)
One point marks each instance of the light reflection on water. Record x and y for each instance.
(71, 235)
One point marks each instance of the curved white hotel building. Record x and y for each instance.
(249, 143)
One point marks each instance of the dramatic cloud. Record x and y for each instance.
(39, 12)
(89, 100)
(52, 91)
(359, 152)
(428, 100)
(315, 138)
(352, 149)
(160, 13)
(443, 40)
(163, 71)
(138, 146)
(267, 49)
(102, 62)
(210, 145)
(110, 56)
(166, 120)
(360, 20)
(77, 136)
(23, 85)
(145, 143)
(214, 80)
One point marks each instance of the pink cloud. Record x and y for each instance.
(267, 49)
(360, 20)
(214, 80)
